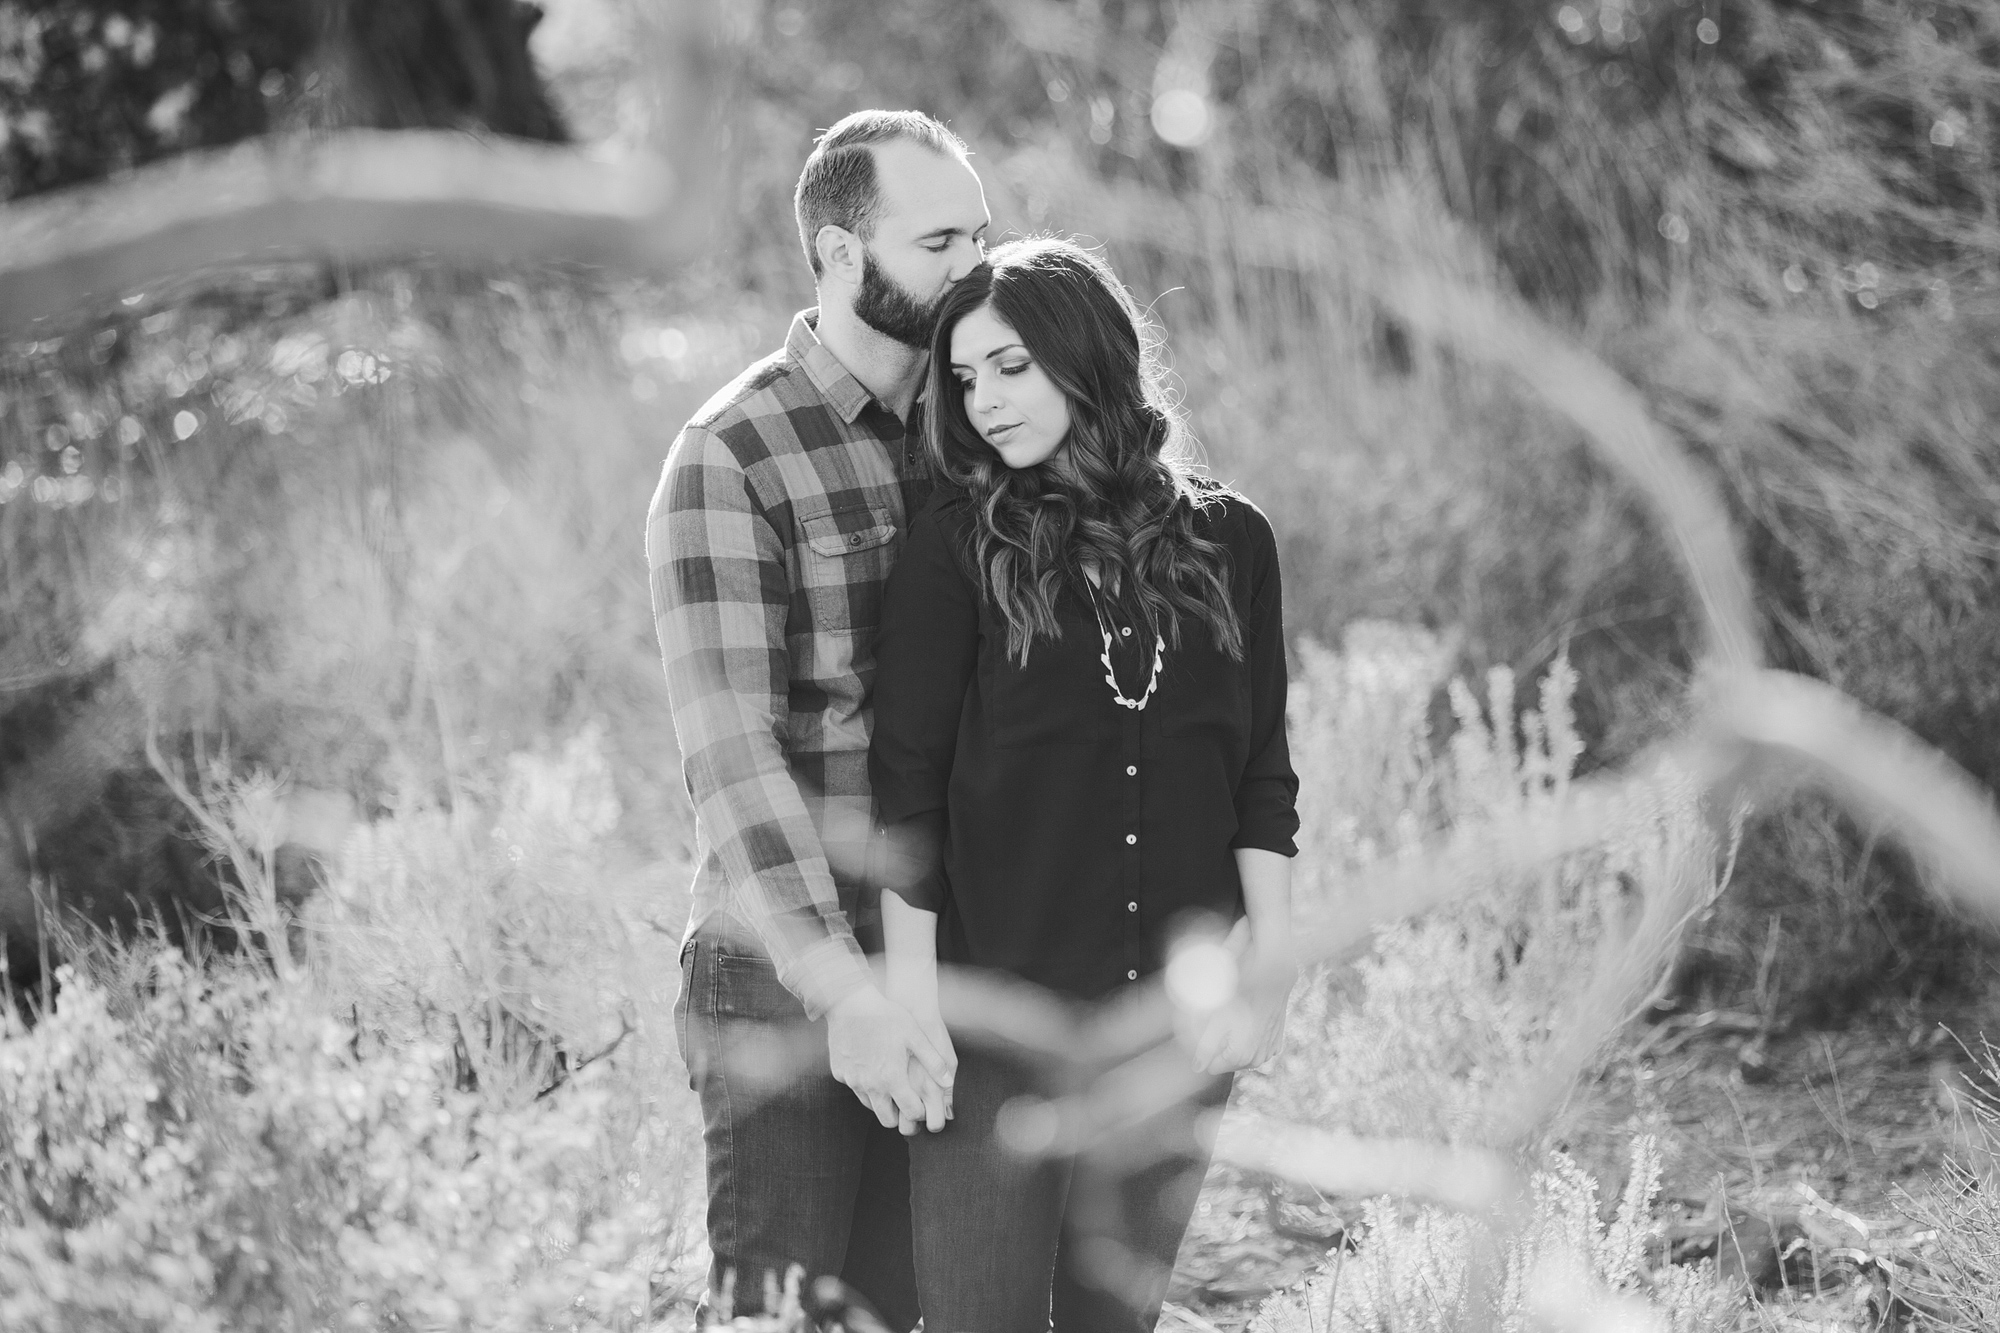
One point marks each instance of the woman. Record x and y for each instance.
(1079, 710)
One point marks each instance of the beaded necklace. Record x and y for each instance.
(1111, 672)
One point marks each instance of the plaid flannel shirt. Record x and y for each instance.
(778, 515)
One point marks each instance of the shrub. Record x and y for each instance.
(1472, 1023)
(1956, 1284)
(445, 1112)
(1425, 1270)
(210, 1150)
(1459, 1018)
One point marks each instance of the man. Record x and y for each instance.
(778, 515)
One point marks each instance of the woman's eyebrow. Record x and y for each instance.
(1008, 347)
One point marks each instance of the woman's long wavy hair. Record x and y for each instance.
(1119, 495)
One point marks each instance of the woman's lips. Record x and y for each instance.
(996, 434)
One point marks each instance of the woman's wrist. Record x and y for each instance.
(911, 977)
(1269, 966)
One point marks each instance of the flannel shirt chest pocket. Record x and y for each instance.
(843, 558)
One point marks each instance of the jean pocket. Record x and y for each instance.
(681, 1009)
(747, 989)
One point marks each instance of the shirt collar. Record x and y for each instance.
(843, 393)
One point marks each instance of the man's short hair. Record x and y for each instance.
(838, 185)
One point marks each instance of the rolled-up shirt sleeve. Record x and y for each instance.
(721, 595)
(925, 657)
(1267, 793)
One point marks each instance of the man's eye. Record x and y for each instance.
(939, 248)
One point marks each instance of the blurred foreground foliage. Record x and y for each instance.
(91, 87)
(379, 529)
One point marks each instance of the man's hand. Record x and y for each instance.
(877, 1048)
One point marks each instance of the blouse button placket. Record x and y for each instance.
(1132, 732)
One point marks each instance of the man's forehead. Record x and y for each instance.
(924, 191)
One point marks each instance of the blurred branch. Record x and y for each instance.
(1813, 731)
(357, 195)
(1620, 427)
(1464, 1179)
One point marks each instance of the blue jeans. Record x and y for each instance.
(1007, 1244)
(799, 1171)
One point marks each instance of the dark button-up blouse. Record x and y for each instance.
(1062, 832)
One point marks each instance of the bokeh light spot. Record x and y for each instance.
(185, 424)
(1201, 976)
(1182, 118)
(1028, 1126)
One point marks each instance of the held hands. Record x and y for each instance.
(900, 1065)
(916, 990)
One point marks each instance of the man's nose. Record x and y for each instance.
(966, 254)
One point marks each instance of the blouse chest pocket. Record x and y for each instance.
(843, 562)
(1059, 698)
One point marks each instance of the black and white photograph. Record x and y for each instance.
(999, 666)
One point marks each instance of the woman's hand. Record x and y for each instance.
(910, 977)
(1242, 1034)
(916, 991)
(1249, 1030)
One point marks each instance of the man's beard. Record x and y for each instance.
(887, 307)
